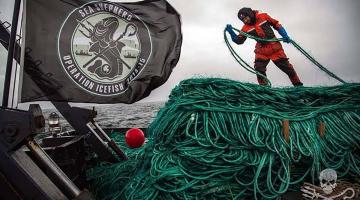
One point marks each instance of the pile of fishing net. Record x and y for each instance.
(222, 139)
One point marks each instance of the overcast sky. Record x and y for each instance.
(328, 29)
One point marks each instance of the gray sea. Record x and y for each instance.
(138, 115)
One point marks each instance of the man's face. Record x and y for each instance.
(246, 20)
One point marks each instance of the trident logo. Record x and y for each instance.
(105, 47)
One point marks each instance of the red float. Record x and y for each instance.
(134, 138)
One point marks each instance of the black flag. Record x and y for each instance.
(98, 51)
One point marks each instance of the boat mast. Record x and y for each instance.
(9, 64)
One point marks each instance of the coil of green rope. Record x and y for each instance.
(221, 139)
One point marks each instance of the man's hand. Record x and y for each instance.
(233, 35)
(284, 34)
(229, 28)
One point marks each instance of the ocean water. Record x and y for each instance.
(138, 115)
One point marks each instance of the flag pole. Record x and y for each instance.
(10, 57)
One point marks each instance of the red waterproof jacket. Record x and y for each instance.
(262, 29)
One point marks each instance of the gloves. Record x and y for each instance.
(229, 28)
(233, 35)
(283, 34)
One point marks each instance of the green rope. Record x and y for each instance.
(296, 45)
(221, 139)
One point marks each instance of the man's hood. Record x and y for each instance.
(243, 12)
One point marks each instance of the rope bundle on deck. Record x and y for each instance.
(221, 139)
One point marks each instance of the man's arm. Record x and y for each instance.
(277, 26)
(241, 39)
(273, 22)
(238, 39)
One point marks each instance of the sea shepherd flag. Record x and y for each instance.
(98, 51)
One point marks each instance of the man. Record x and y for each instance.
(259, 25)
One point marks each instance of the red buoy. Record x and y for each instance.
(134, 138)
